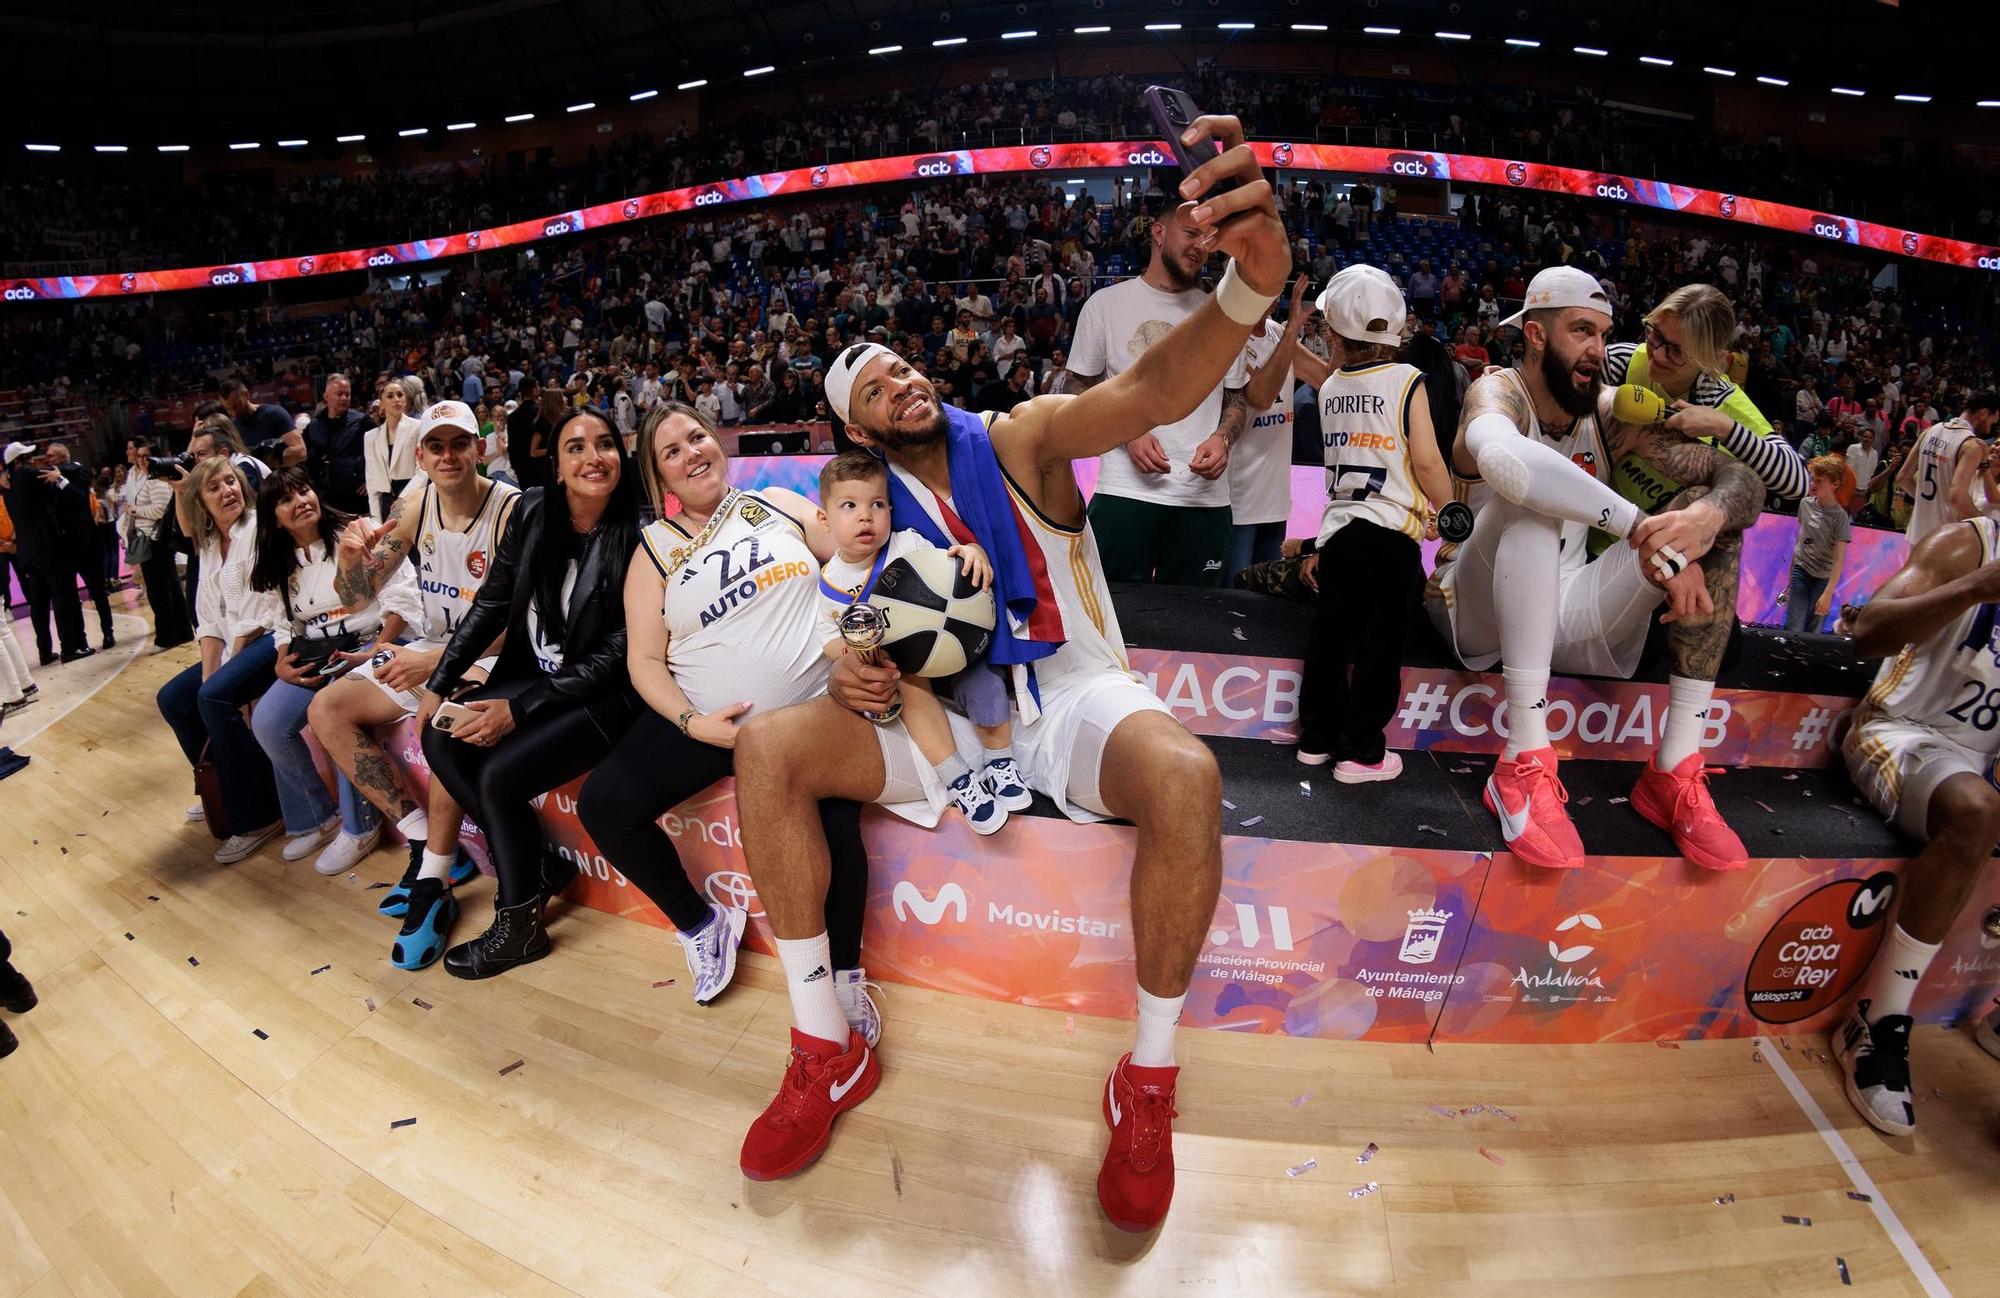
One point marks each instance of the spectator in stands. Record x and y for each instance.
(1423, 289)
(52, 527)
(335, 448)
(1821, 549)
(260, 424)
(1003, 396)
(559, 699)
(317, 637)
(204, 704)
(148, 545)
(1161, 510)
(218, 436)
(389, 449)
(1260, 466)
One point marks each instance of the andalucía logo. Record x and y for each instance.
(1568, 978)
(1818, 949)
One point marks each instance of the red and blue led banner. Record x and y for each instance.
(1467, 168)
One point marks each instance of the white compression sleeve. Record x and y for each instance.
(1534, 476)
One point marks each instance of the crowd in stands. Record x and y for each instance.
(93, 220)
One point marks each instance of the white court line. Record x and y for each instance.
(1919, 1265)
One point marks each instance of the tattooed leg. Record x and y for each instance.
(1696, 650)
(343, 716)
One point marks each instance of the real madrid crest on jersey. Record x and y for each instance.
(755, 514)
(430, 543)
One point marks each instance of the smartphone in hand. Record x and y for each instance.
(1172, 111)
(450, 714)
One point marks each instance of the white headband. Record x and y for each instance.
(845, 369)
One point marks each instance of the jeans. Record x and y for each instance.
(1801, 599)
(1254, 543)
(302, 796)
(210, 712)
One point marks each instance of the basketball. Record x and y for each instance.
(938, 620)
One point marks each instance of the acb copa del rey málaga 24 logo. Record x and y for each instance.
(1818, 949)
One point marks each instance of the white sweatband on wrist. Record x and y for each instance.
(1240, 302)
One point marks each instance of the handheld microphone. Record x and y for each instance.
(1640, 407)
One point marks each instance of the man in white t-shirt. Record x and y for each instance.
(1161, 512)
(1260, 468)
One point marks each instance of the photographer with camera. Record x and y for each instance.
(149, 496)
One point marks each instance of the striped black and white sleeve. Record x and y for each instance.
(1770, 457)
(1618, 362)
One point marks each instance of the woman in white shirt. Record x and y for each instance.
(315, 639)
(204, 704)
(390, 448)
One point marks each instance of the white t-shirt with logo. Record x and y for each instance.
(1260, 464)
(851, 577)
(1115, 328)
(549, 657)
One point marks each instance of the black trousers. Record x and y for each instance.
(90, 561)
(496, 785)
(50, 585)
(163, 592)
(1370, 580)
(654, 769)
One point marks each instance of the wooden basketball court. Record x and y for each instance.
(227, 1090)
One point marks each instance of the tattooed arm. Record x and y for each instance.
(1489, 395)
(1211, 459)
(367, 553)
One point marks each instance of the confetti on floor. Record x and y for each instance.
(402, 1122)
(1665, 1044)
(1768, 808)
(369, 1001)
(1069, 1025)
(1363, 1191)
(1298, 1101)
(130, 938)
(1432, 829)
(1859, 1197)
(1725, 1199)
(260, 1034)
(196, 963)
(1305, 788)
(1790, 776)
(1840, 1264)
(322, 969)
(1368, 1155)
(1254, 820)
(1461, 770)
(1237, 631)
(1500, 1112)
(373, 886)
(1619, 802)
(1227, 804)
(1584, 801)
(664, 982)
(1441, 1111)
(1473, 1111)
(420, 1002)
(1797, 1221)
(1492, 1157)
(511, 1067)
(1302, 1168)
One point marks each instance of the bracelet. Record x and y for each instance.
(1240, 302)
(682, 720)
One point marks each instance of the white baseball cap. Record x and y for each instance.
(15, 450)
(846, 368)
(1560, 287)
(448, 414)
(1364, 304)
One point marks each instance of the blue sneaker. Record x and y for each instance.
(981, 810)
(421, 940)
(1003, 780)
(396, 902)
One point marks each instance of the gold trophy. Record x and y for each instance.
(864, 627)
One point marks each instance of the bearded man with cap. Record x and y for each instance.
(1162, 503)
(1533, 459)
(1088, 733)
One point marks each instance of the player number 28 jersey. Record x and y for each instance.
(1949, 684)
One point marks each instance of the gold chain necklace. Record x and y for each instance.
(679, 554)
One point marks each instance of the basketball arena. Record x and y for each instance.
(974, 648)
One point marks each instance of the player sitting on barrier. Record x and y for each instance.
(1922, 747)
(854, 505)
(1091, 734)
(1531, 460)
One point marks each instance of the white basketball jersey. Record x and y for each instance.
(1583, 447)
(742, 613)
(1937, 451)
(1950, 683)
(451, 563)
(1364, 423)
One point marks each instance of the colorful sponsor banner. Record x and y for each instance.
(1240, 697)
(1873, 556)
(917, 167)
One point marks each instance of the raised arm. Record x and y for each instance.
(366, 555)
(1965, 472)
(1267, 378)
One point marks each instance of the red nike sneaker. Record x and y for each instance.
(1678, 801)
(1136, 1185)
(1524, 794)
(819, 1086)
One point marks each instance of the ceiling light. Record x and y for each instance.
(887, 49)
(1774, 81)
(173, 148)
(522, 117)
(1591, 50)
(1454, 36)
(1913, 99)
(456, 126)
(1073, 182)
(692, 85)
(1845, 90)
(580, 108)
(1308, 27)
(45, 148)
(643, 94)
(1656, 60)
(1163, 27)
(1383, 31)
(1989, 103)
(291, 144)
(238, 148)
(351, 139)
(1521, 42)
(947, 41)
(1719, 72)
(758, 72)
(108, 148)
(405, 134)
(1236, 27)
(1018, 36)
(1090, 31)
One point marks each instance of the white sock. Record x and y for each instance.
(1687, 714)
(951, 768)
(1527, 710)
(1159, 1016)
(436, 865)
(416, 827)
(1892, 980)
(809, 978)
(1004, 753)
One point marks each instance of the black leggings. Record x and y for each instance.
(497, 785)
(654, 769)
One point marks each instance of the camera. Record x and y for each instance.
(172, 465)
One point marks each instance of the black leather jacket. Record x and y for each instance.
(594, 649)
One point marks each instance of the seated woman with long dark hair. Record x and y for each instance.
(558, 699)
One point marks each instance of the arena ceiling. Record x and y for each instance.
(181, 68)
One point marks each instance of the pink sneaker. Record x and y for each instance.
(1355, 773)
(1678, 801)
(1527, 798)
